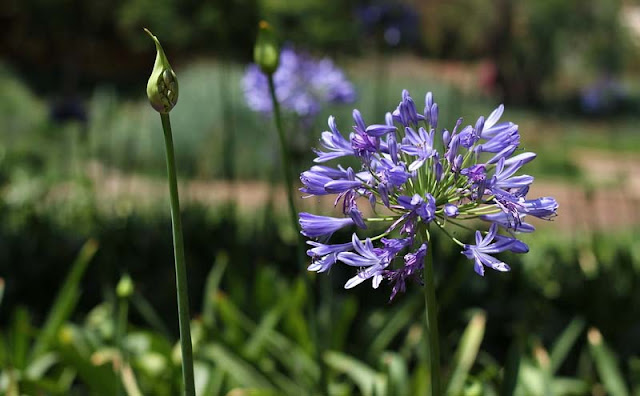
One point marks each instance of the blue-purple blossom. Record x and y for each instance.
(424, 184)
(482, 250)
(451, 210)
(303, 85)
(324, 256)
(320, 226)
(334, 143)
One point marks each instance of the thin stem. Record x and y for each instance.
(381, 219)
(286, 168)
(284, 153)
(123, 309)
(181, 270)
(432, 322)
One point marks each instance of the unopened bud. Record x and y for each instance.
(266, 53)
(125, 287)
(162, 87)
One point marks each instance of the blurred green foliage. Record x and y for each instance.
(250, 329)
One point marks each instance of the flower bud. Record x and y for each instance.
(125, 287)
(162, 87)
(266, 53)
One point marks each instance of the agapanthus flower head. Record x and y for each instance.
(303, 84)
(422, 179)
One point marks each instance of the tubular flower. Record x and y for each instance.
(420, 183)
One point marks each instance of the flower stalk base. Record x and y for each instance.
(181, 270)
(432, 322)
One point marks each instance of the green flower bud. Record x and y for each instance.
(266, 53)
(162, 87)
(125, 287)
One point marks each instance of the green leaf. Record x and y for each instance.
(606, 364)
(282, 348)
(569, 386)
(100, 379)
(266, 326)
(149, 314)
(19, 340)
(66, 300)
(512, 366)
(467, 351)
(211, 289)
(235, 367)
(398, 374)
(531, 379)
(214, 385)
(37, 368)
(398, 321)
(30, 386)
(344, 314)
(565, 342)
(368, 380)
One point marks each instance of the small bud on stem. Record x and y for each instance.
(162, 87)
(266, 53)
(125, 287)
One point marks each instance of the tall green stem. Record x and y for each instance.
(181, 270)
(284, 155)
(432, 322)
(286, 165)
(123, 309)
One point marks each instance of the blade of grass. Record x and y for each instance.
(606, 364)
(19, 342)
(235, 367)
(565, 342)
(569, 386)
(37, 368)
(398, 373)
(265, 327)
(214, 385)
(211, 289)
(66, 300)
(512, 366)
(368, 380)
(286, 351)
(467, 351)
(100, 379)
(345, 313)
(149, 314)
(398, 321)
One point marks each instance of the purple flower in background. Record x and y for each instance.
(303, 85)
(422, 184)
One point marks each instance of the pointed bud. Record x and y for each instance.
(125, 287)
(162, 87)
(266, 53)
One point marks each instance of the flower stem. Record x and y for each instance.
(432, 322)
(181, 270)
(121, 330)
(284, 154)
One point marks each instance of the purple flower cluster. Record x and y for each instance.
(303, 84)
(417, 178)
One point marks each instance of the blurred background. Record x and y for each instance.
(83, 198)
